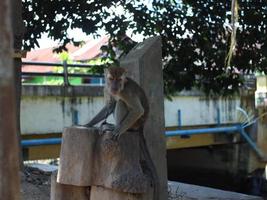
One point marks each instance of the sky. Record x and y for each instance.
(46, 42)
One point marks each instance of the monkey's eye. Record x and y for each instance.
(111, 78)
(120, 79)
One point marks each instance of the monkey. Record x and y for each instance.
(125, 94)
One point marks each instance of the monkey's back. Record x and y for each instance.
(140, 93)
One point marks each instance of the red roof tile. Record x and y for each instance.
(91, 49)
(39, 55)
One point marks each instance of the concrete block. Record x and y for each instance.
(77, 156)
(98, 192)
(88, 159)
(117, 164)
(144, 65)
(187, 191)
(67, 192)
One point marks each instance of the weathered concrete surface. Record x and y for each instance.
(144, 65)
(67, 91)
(77, 156)
(67, 192)
(262, 127)
(117, 164)
(247, 160)
(88, 159)
(259, 133)
(9, 165)
(66, 110)
(98, 193)
(184, 191)
(63, 112)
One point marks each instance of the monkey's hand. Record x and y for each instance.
(116, 134)
(88, 125)
(106, 127)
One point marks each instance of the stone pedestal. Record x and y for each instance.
(90, 160)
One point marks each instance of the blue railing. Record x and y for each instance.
(65, 74)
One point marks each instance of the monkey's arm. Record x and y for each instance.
(135, 111)
(103, 113)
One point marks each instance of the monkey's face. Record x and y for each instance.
(115, 80)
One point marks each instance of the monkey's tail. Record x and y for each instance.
(152, 168)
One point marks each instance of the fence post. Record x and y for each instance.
(65, 71)
(9, 159)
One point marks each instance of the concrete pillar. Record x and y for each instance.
(144, 65)
(9, 166)
(262, 129)
(248, 160)
(260, 138)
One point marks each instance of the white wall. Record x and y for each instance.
(196, 110)
(50, 114)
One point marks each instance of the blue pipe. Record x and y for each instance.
(252, 144)
(226, 129)
(39, 142)
(52, 141)
(179, 118)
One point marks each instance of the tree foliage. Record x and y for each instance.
(195, 35)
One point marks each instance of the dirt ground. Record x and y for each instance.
(35, 184)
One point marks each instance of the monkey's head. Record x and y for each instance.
(115, 79)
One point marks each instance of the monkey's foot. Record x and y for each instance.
(116, 135)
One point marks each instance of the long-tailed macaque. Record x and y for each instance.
(126, 94)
